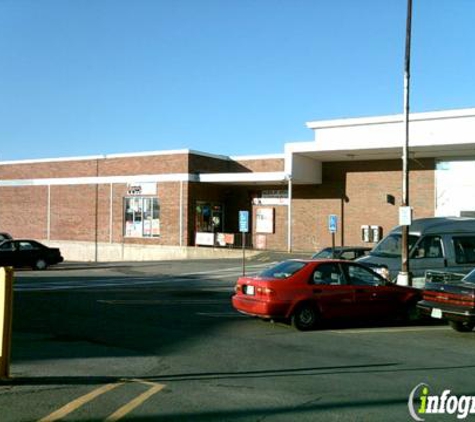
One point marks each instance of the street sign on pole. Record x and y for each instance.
(332, 228)
(332, 223)
(244, 221)
(244, 228)
(405, 216)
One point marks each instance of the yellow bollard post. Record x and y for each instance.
(6, 308)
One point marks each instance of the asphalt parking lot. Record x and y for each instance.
(160, 341)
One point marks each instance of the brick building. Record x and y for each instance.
(174, 203)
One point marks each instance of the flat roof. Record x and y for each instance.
(394, 118)
(118, 155)
(146, 154)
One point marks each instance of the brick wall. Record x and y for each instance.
(23, 211)
(356, 193)
(204, 164)
(133, 165)
(277, 240)
(123, 166)
(153, 164)
(263, 165)
(73, 212)
(52, 169)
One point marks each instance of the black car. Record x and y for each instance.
(342, 252)
(28, 253)
(451, 297)
(5, 236)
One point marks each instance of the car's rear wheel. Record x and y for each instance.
(461, 326)
(305, 317)
(40, 264)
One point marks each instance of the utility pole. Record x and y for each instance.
(405, 276)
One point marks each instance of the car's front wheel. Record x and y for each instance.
(305, 317)
(410, 313)
(40, 264)
(462, 326)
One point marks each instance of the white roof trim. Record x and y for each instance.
(257, 157)
(396, 118)
(162, 178)
(120, 155)
(146, 153)
(276, 176)
(165, 152)
(52, 160)
(175, 177)
(206, 154)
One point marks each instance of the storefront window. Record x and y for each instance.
(142, 217)
(209, 217)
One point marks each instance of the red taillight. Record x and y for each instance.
(265, 291)
(449, 298)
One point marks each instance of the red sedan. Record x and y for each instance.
(309, 291)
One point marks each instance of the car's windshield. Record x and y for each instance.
(390, 246)
(283, 270)
(323, 254)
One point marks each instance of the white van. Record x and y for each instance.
(441, 244)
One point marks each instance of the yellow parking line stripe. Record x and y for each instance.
(76, 404)
(127, 408)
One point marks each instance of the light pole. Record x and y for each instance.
(404, 276)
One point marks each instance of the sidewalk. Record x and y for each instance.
(250, 254)
(272, 256)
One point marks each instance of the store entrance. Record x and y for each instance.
(209, 217)
(209, 220)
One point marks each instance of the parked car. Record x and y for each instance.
(441, 244)
(451, 297)
(342, 252)
(28, 253)
(5, 236)
(308, 292)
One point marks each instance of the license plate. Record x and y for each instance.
(436, 313)
(249, 290)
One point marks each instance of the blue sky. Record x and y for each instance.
(232, 77)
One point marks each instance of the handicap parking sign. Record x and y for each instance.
(243, 221)
(332, 223)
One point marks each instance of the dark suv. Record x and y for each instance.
(342, 252)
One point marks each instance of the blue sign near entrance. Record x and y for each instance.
(332, 223)
(244, 221)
